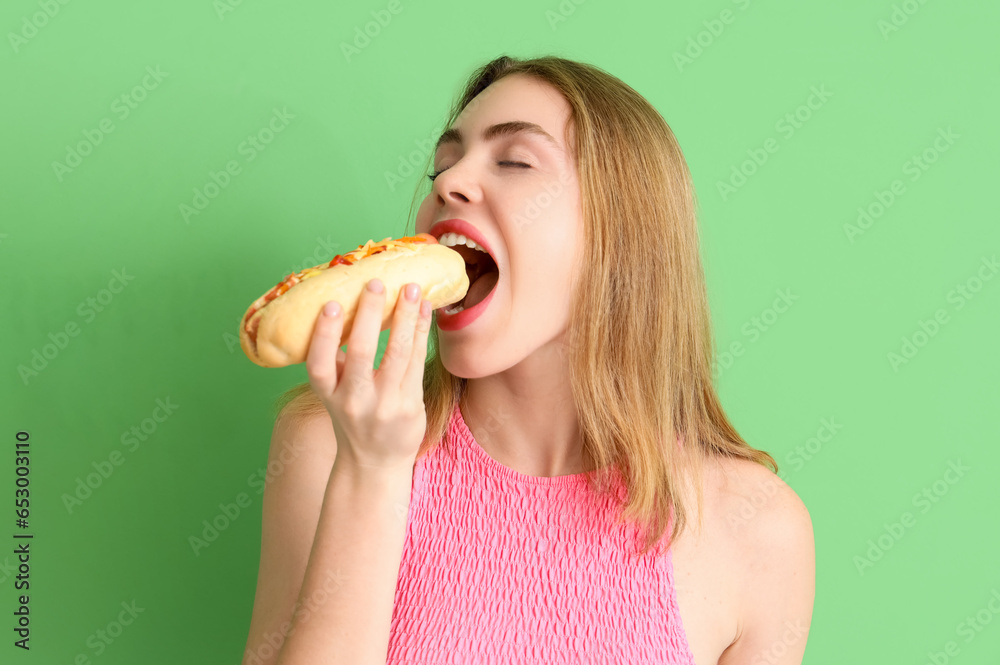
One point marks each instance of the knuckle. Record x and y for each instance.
(357, 384)
(392, 352)
(386, 412)
(413, 405)
(352, 407)
(398, 347)
(317, 371)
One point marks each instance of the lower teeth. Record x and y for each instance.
(453, 309)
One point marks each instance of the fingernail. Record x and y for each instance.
(412, 291)
(375, 285)
(331, 308)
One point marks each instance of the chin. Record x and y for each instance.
(465, 363)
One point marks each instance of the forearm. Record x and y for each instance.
(345, 605)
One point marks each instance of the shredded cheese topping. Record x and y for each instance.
(362, 252)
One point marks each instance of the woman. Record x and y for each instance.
(515, 497)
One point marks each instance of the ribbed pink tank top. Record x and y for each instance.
(508, 569)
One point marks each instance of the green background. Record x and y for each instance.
(322, 182)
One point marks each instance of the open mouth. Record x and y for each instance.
(483, 275)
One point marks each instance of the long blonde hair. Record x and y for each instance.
(641, 348)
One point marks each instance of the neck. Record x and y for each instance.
(525, 418)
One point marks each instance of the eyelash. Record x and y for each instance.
(520, 164)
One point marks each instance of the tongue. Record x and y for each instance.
(480, 288)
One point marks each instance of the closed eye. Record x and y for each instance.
(502, 163)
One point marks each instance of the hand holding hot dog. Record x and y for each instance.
(378, 414)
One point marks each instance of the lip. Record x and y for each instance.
(465, 317)
(462, 227)
(449, 322)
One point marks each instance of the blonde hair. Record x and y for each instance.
(641, 348)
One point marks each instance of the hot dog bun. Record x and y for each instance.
(277, 328)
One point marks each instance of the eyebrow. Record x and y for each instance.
(499, 130)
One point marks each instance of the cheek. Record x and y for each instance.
(544, 272)
(423, 220)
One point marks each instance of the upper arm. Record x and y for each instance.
(777, 607)
(300, 459)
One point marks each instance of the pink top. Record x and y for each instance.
(503, 568)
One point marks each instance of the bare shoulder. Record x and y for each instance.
(298, 431)
(768, 524)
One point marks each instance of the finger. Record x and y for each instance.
(414, 377)
(321, 359)
(397, 351)
(363, 341)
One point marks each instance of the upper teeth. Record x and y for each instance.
(452, 239)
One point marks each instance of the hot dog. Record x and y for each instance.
(277, 327)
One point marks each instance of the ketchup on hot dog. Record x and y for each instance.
(363, 251)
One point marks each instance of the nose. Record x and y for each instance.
(457, 184)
